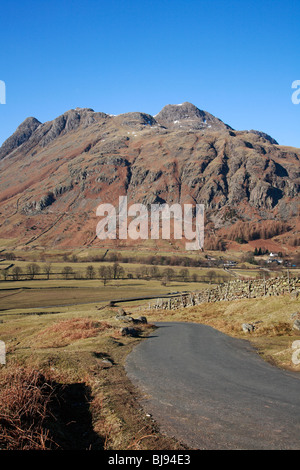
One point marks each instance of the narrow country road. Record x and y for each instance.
(212, 391)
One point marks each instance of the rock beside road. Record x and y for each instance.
(296, 325)
(121, 312)
(129, 319)
(248, 327)
(129, 331)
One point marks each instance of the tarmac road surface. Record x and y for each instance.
(211, 391)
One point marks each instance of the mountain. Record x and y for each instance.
(53, 175)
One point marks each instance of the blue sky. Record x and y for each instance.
(235, 59)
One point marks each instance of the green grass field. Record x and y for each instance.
(42, 294)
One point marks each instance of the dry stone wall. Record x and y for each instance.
(233, 290)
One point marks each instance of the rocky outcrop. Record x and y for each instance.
(67, 122)
(22, 134)
(135, 121)
(265, 136)
(187, 115)
(37, 206)
(35, 133)
(130, 331)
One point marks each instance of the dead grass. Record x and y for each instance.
(40, 411)
(66, 332)
(25, 397)
(83, 352)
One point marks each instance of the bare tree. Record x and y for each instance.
(168, 274)
(4, 273)
(47, 269)
(90, 272)
(154, 272)
(211, 275)
(17, 270)
(104, 274)
(184, 274)
(117, 271)
(32, 269)
(67, 272)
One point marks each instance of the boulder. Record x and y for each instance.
(119, 317)
(128, 331)
(128, 319)
(295, 315)
(296, 325)
(121, 312)
(106, 364)
(248, 327)
(142, 320)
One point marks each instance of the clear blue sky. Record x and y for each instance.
(236, 59)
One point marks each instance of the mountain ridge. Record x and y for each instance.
(181, 114)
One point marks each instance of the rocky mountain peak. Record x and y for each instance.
(187, 115)
(135, 120)
(180, 111)
(265, 136)
(21, 135)
(32, 132)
